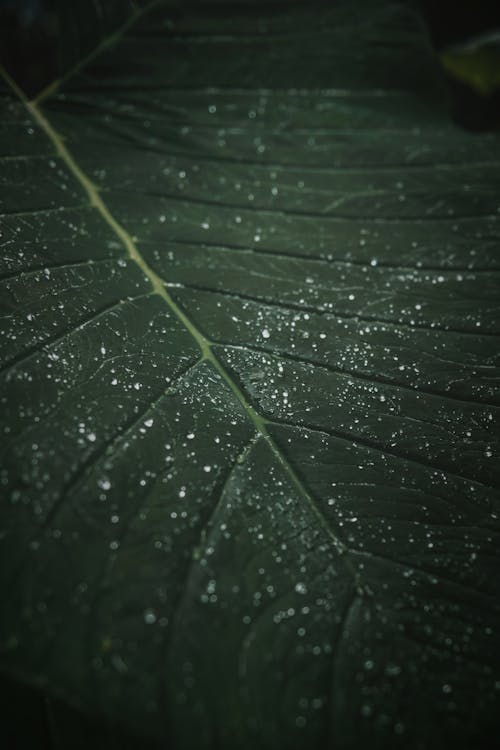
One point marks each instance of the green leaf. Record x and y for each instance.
(250, 395)
(477, 67)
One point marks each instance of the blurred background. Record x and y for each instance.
(40, 39)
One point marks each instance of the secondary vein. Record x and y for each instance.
(108, 41)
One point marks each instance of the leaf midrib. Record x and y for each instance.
(158, 285)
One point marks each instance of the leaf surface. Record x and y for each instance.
(250, 395)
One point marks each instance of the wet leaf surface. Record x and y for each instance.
(250, 363)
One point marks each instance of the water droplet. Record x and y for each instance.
(149, 617)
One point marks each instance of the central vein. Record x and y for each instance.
(260, 423)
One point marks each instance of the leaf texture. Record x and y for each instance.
(250, 291)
